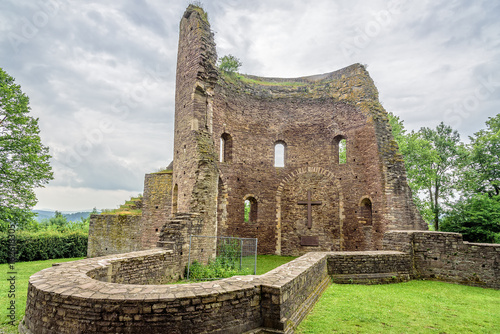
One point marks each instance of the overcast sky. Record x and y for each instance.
(101, 74)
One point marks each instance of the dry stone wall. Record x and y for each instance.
(445, 256)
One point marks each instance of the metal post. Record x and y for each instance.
(189, 256)
(255, 262)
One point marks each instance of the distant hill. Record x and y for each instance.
(71, 216)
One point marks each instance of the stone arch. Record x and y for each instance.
(365, 210)
(279, 194)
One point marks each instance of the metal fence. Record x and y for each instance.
(212, 258)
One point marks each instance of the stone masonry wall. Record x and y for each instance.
(157, 206)
(373, 267)
(446, 257)
(113, 294)
(114, 234)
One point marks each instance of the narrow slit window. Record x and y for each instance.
(221, 155)
(226, 147)
(250, 210)
(174, 199)
(342, 151)
(279, 154)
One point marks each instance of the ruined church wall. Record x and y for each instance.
(307, 124)
(156, 207)
(114, 234)
(445, 256)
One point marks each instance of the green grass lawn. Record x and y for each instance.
(411, 307)
(23, 270)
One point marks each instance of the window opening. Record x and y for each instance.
(174, 199)
(279, 154)
(226, 146)
(250, 210)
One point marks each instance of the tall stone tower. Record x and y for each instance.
(195, 173)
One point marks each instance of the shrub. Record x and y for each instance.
(229, 64)
(32, 246)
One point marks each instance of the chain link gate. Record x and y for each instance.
(212, 258)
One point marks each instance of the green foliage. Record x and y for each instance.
(482, 169)
(229, 64)
(411, 307)
(432, 159)
(24, 161)
(477, 218)
(59, 223)
(342, 151)
(31, 246)
(247, 211)
(227, 263)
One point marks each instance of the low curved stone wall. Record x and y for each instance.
(120, 294)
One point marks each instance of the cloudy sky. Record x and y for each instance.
(101, 74)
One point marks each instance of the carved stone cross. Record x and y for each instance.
(309, 204)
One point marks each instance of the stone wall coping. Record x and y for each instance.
(72, 279)
(281, 276)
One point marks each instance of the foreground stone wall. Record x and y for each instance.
(446, 257)
(110, 295)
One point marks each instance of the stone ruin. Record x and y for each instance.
(352, 221)
(228, 129)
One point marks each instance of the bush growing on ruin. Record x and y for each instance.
(229, 64)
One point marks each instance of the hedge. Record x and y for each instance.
(34, 246)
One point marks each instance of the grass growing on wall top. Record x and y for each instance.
(129, 208)
(235, 77)
(411, 307)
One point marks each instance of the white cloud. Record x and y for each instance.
(101, 75)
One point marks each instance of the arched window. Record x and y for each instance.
(250, 207)
(174, 199)
(365, 211)
(279, 154)
(340, 149)
(226, 148)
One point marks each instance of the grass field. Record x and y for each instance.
(411, 307)
(22, 270)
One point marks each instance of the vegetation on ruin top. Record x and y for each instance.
(197, 6)
(130, 207)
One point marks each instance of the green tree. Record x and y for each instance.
(477, 213)
(476, 217)
(24, 161)
(482, 170)
(432, 160)
(441, 171)
(229, 64)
